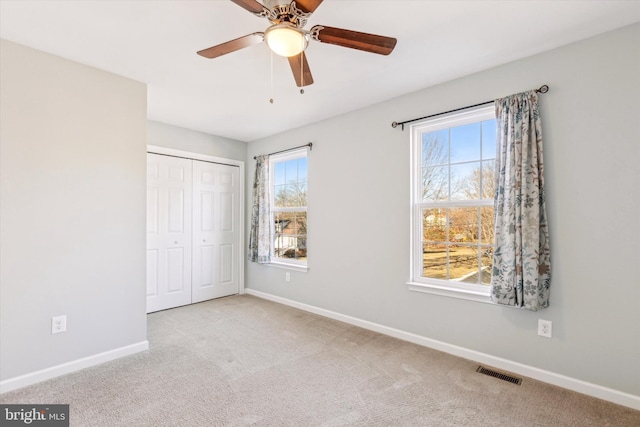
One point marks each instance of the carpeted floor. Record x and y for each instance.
(243, 361)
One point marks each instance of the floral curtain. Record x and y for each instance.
(259, 236)
(521, 261)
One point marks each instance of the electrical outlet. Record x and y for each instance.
(58, 324)
(287, 276)
(544, 328)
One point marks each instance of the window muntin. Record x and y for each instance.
(288, 181)
(453, 160)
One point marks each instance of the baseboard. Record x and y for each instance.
(548, 377)
(67, 368)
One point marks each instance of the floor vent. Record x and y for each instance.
(499, 375)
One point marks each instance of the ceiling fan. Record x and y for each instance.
(287, 37)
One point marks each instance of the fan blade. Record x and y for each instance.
(232, 46)
(353, 39)
(252, 6)
(308, 6)
(300, 69)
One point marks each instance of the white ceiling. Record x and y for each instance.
(156, 42)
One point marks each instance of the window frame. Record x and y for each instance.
(417, 282)
(280, 158)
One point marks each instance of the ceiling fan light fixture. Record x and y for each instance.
(285, 39)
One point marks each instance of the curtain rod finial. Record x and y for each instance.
(543, 89)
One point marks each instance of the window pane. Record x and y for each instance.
(301, 236)
(486, 225)
(301, 224)
(279, 224)
(435, 183)
(472, 183)
(301, 249)
(302, 170)
(434, 261)
(435, 148)
(463, 223)
(434, 225)
(290, 201)
(463, 263)
(279, 174)
(301, 194)
(489, 141)
(290, 240)
(487, 265)
(281, 221)
(488, 179)
(280, 196)
(291, 167)
(294, 246)
(284, 227)
(465, 143)
(463, 180)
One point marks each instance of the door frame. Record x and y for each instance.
(155, 149)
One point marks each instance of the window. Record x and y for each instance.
(288, 182)
(453, 159)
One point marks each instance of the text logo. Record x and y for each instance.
(34, 415)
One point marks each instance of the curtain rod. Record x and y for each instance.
(310, 145)
(541, 89)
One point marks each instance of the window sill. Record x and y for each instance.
(286, 266)
(447, 292)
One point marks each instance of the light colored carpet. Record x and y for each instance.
(243, 361)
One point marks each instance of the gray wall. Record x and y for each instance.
(72, 210)
(178, 138)
(359, 216)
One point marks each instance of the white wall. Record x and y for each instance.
(72, 213)
(178, 138)
(359, 216)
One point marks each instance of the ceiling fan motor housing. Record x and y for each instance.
(282, 11)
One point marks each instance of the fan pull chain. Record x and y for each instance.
(271, 73)
(302, 72)
(302, 67)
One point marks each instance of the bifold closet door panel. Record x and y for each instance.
(216, 231)
(169, 232)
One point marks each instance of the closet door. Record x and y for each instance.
(169, 200)
(216, 231)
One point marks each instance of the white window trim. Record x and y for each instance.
(471, 292)
(288, 266)
(286, 263)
